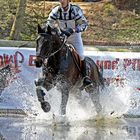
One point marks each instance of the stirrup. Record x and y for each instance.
(87, 81)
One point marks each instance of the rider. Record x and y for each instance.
(72, 22)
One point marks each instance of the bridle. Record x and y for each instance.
(49, 52)
(60, 48)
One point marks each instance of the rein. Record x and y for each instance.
(52, 54)
(46, 57)
(57, 50)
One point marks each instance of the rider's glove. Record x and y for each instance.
(67, 32)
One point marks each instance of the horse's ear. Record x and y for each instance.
(40, 30)
(49, 29)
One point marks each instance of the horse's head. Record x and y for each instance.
(47, 42)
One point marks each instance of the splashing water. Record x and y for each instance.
(115, 101)
(79, 107)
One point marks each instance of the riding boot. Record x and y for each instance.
(86, 73)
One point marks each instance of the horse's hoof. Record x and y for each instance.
(61, 120)
(45, 106)
(87, 81)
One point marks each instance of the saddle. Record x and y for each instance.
(76, 57)
(83, 66)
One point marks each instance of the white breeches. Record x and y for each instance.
(77, 42)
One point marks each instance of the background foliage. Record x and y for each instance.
(109, 21)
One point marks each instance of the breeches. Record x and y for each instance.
(78, 45)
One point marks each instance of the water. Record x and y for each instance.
(115, 99)
(26, 129)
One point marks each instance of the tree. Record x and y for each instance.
(19, 20)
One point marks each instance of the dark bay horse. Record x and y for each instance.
(61, 64)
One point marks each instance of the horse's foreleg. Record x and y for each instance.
(65, 96)
(40, 95)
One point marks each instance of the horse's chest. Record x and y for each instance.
(64, 62)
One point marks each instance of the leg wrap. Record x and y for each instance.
(40, 94)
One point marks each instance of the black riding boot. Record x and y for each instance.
(86, 73)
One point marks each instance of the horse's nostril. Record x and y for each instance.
(38, 63)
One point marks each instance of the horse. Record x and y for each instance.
(61, 64)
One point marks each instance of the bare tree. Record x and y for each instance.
(19, 20)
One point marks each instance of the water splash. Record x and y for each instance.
(115, 100)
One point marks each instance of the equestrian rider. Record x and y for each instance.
(72, 22)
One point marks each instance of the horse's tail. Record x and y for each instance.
(96, 75)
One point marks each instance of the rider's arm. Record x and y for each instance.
(52, 18)
(80, 21)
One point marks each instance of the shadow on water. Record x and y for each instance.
(26, 129)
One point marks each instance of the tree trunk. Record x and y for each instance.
(19, 21)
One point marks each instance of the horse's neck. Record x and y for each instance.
(59, 61)
(62, 53)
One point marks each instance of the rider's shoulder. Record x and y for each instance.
(75, 6)
(55, 8)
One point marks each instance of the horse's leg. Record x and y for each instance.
(40, 94)
(62, 119)
(44, 105)
(96, 101)
(64, 100)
